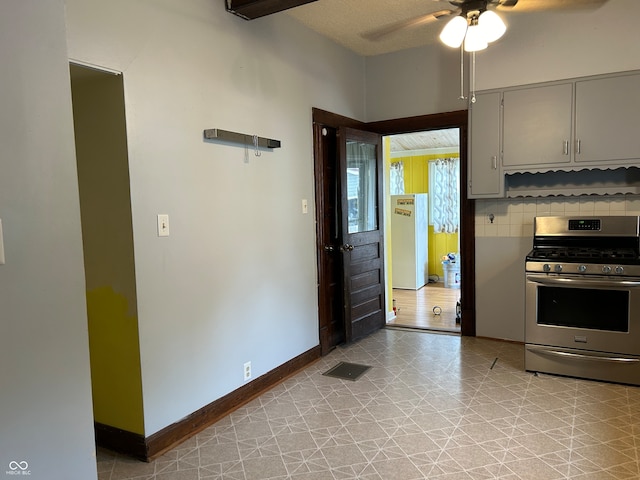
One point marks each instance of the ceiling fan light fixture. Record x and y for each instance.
(474, 40)
(454, 32)
(491, 25)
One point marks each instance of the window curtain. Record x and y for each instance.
(397, 178)
(444, 194)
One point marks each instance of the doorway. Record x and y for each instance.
(423, 178)
(331, 321)
(107, 236)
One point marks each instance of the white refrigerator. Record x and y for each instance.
(409, 241)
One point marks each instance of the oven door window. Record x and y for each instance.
(584, 308)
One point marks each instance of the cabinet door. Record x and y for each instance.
(608, 119)
(485, 178)
(537, 126)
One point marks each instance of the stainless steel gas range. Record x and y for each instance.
(582, 305)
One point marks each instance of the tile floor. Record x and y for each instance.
(432, 407)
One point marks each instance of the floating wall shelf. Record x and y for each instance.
(244, 139)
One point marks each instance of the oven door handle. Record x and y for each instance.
(582, 282)
(582, 356)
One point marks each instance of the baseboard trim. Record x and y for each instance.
(151, 447)
(121, 441)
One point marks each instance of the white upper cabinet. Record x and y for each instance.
(521, 139)
(485, 177)
(537, 125)
(608, 119)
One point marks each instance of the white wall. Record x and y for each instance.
(45, 391)
(236, 279)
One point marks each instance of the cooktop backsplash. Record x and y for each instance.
(513, 217)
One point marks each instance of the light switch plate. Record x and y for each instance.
(1, 245)
(305, 206)
(163, 225)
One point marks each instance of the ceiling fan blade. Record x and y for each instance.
(413, 22)
(544, 5)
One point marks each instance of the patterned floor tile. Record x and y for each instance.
(431, 407)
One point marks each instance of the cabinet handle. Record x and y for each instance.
(578, 145)
(565, 147)
(494, 162)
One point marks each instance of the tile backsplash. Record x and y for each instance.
(513, 217)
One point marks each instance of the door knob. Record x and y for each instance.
(346, 248)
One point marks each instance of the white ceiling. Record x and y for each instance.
(346, 21)
(440, 140)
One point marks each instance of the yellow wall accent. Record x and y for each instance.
(440, 244)
(115, 361)
(416, 180)
(386, 145)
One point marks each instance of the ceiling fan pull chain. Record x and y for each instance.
(461, 72)
(473, 77)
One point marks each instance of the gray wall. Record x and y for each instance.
(236, 279)
(417, 81)
(45, 390)
(500, 286)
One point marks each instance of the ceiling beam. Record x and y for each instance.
(251, 9)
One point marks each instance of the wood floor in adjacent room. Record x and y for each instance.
(433, 307)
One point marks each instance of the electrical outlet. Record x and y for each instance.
(247, 371)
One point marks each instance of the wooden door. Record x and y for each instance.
(362, 231)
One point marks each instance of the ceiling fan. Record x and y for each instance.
(471, 10)
(473, 25)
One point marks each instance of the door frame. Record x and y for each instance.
(456, 119)
(438, 121)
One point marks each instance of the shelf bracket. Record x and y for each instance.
(247, 140)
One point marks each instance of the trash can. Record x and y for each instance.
(451, 274)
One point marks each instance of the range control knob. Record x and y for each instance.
(546, 267)
(606, 269)
(582, 268)
(558, 268)
(619, 269)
